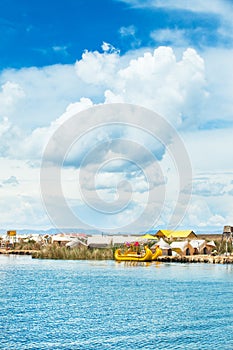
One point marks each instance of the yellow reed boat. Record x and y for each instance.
(133, 256)
(158, 252)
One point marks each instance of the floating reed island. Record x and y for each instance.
(62, 253)
(218, 259)
(165, 246)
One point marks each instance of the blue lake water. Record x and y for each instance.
(57, 304)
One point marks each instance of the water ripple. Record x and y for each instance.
(82, 305)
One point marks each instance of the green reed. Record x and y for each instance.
(80, 253)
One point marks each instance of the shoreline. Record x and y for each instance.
(208, 259)
(17, 252)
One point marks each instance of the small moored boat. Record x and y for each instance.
(133, 256)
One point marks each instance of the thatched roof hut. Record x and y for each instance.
(182, 247)
(166, 248)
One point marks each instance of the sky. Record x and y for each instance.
(65, 66)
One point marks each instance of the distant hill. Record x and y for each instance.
(52, 231)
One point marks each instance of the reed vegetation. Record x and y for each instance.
(80, 253)
(30, 245)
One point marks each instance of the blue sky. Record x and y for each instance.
(49, 32)
(58, 58)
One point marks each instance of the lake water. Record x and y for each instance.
(57, 304)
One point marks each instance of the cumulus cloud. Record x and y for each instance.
(33, 145)
(155, 80)
(180, 87)
(98, 68)
(176, 88)
(34, 97)
(10, 94)
(201, 216)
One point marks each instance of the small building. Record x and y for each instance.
(75, 243)
(176, 235)
(119, 240)
(164, 246)
(227, 233)
(99, 241)
(11, 237)
(193, 247)
(60, 239)
(64, 238)
(198, 245)
(182, 247)
(228, 229)
(210, 246)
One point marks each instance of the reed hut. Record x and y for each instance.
(198, 246)
(164, 246)
(61, 239)
(182, 248)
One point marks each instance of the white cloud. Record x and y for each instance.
(60, 49)
(107, 47)
(20, 202)
(219, 74)
(207, 188)
(22, 212)
(4, 126)
(200, 216)
(33, 145)
(10, 94)
(96, 68)
(34, 97)
(210, 150)
(127, 31)
(190, 91)
(177, 37)
(129, 34)
(110, 97)
(155, 80)
(218, 9)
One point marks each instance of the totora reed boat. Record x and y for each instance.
(133, 256)
(158, 252)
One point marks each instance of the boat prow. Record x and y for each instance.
(158, 252)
